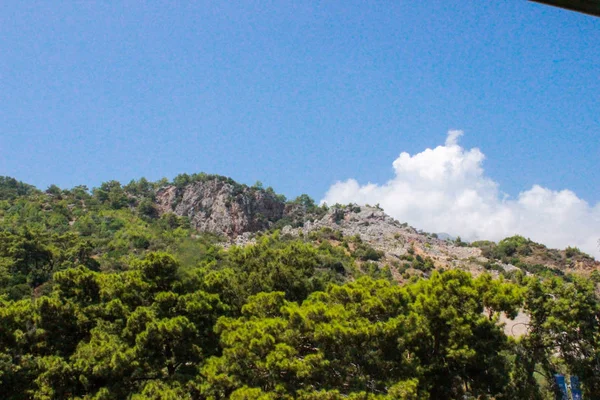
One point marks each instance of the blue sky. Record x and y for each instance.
(298, 96)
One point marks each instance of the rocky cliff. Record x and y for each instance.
(222, 207)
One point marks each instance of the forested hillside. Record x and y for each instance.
(140, 291)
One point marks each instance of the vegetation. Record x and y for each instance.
(103, 298)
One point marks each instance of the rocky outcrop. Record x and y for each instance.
(220, 207)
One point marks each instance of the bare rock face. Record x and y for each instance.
(221, 207)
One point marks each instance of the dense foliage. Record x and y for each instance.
(102, 298)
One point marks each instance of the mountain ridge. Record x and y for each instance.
(239, 213)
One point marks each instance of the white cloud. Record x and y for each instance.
(452, 139)
(445, 190)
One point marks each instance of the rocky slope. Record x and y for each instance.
(404, 248)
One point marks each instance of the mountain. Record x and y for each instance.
(204, 288)
(238, 212)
